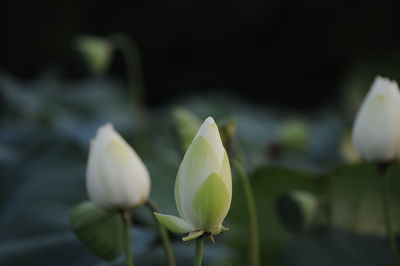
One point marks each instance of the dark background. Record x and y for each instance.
(292, 53)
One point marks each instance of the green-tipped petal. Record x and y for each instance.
(211, 203)
(199, 162)
(174, 224)
(193, 235)
(209, 130)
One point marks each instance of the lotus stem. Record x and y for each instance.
(163, 234)
(127, 239)
(199, 251)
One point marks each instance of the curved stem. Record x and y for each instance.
(136, 89)
(251, 207)
(386, 211)
(127, 240)
(134, 72)
(199, 251)
(163, 234)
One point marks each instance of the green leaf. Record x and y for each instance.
(269, 184)
(101, 231)
(356, 198)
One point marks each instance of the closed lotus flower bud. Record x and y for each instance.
(203, 186)
(376, 131)
(116, 177)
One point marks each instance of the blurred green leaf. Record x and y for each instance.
(101, 231)
(356, 198)
(269, 183)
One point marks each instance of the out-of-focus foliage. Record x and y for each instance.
(98, 229)
(45, 129)
(356, 197)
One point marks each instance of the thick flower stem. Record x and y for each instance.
(127, 240)
(163, 234)
(251, 207)
(199, 251)
(382, 169)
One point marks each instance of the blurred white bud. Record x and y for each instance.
(376, 131)
(116, 177)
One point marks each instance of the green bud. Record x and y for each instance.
(186, 125)
(96, 52)
(294, 134)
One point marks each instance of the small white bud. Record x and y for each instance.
(116, 177)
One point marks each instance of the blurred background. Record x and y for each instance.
(286, 76)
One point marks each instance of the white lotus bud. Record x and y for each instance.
(376, 131)
(116, 177)
(203, 186)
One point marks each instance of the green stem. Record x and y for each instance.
(130, 51)
(164, 235)
(386, 211)
(251, 207)
(131, 55)
(127, 240)
(199, 251)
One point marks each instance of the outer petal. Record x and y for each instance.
(209, 130)
(126, 178)
(174, 224)
(199, 162)
(376, 132)
(211, 203)
(95, 182)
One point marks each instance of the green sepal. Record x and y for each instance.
(193, 235)
(219, 229)
(174, 224)
(100, 230)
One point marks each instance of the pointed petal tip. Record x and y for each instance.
(209, 120)
(107, 128)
